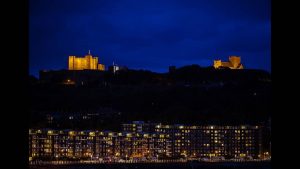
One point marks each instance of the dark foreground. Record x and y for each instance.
(190, 165)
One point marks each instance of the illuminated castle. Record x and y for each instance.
(234, 63)
(86, 63)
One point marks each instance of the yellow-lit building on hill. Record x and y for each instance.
(85, 63)
(234, 63)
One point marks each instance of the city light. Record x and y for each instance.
(140, 144)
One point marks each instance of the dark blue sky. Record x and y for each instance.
(149, 34)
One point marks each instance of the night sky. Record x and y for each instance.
(149, 34)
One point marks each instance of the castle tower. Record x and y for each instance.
(87, 62)
(71, 62)
(235, 61)
(217, 63)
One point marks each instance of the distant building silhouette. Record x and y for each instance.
(114, 68)
(234, 63)
(88, 62)
(71, 77)
(172, 69)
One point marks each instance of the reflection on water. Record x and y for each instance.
(253, 165)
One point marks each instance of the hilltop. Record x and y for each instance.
(189, 94)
